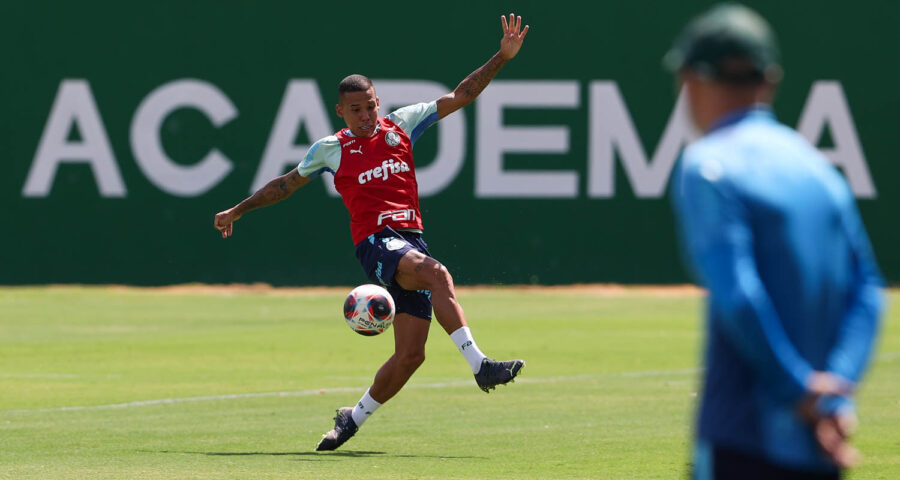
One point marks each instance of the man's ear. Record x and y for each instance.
(339, 110)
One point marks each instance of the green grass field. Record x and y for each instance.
(115, 383)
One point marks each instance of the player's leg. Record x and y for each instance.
(415, 280)
(417, 271)
(379, 256)
(410, 334)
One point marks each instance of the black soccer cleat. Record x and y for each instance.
(344, 428)
(493, 373)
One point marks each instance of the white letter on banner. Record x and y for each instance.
(495, 139)
(301, 104)
(74, 105)
(179, 180)
(611, 129)
(827, 104)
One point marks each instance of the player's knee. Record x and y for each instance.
(411, 360)
(439, 277)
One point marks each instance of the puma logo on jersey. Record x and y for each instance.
(358, 150)
(384, 171)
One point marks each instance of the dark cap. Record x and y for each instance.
(730, 43)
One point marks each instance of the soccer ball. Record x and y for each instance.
(369, 309)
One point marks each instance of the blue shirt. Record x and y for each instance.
(772, 231)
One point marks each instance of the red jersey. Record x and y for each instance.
(377, 181)
(375, 175)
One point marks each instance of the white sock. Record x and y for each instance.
(365, 407)
(462, 337)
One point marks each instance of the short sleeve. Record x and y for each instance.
(415, 119)
(324, 155)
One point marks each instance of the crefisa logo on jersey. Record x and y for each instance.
(384, 171)
(392, 139)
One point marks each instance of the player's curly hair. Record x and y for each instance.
(354, 83)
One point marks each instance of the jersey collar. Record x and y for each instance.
(348, 133)
(760, 110)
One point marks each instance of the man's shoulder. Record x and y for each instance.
(734, 145)
(323, 148)
(324, 154)
(701, 164)
(704, 151)
(414, 119)
(330, 140)
(325, 144)
(416, 109)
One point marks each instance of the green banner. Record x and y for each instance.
(126, 126)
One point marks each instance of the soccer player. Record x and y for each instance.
(773, 233)
(374, 172)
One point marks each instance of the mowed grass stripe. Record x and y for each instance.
(609, 391)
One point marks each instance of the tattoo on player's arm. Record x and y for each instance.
(283, 186)
(478, 80)
(272, 192)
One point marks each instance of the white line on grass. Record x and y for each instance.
(888, 356)
(39, 375)
(321, 391)
(55, 375)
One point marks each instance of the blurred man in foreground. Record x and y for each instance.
(772, 231)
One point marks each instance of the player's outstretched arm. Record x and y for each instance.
(275, 191)
(471, 86)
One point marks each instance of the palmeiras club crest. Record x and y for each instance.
(392, 139)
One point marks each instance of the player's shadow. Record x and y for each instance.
(344, 453)
(321, 455)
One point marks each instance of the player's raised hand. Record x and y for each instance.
(513, 36)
